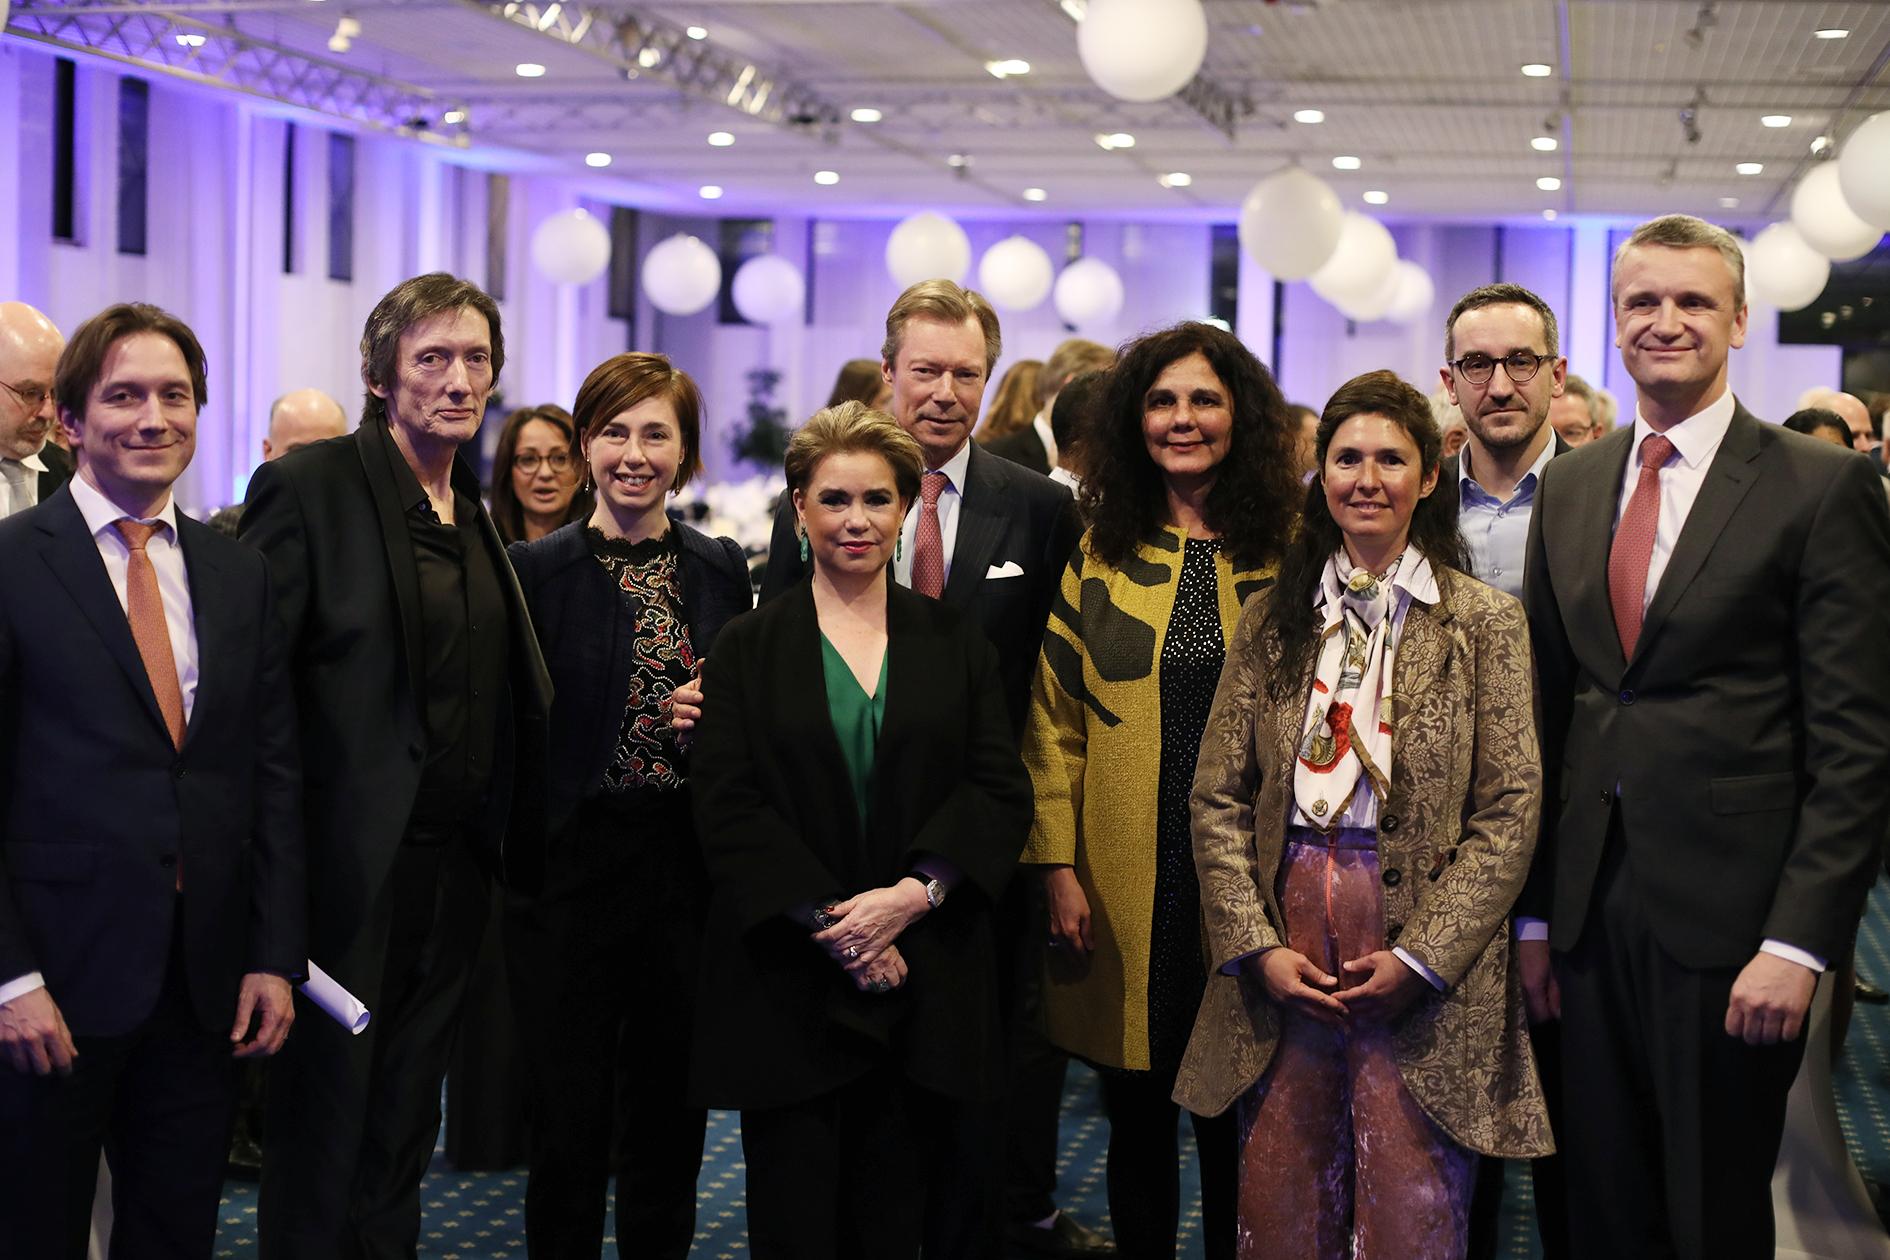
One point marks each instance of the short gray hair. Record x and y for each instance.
(1575, 386)
(1683, 231)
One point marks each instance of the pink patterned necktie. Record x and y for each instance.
(928, 550)
(1633, 548)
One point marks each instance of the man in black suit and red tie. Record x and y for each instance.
(1709, 598)
(151, 891)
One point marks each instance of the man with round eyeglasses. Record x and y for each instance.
(31, 468)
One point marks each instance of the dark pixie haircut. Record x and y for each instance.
(84, 356)
(1501, 295)
(1809, 420)
(1251, 503)
(624, 380)
(852, 427)
(405, 305)
(1433, 525)
(1075, 408)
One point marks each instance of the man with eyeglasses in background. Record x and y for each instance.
(31, 468)
(1504, 370)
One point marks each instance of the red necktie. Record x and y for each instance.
(1633, 548)
(928, 551)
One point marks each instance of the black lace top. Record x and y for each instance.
(646, 574)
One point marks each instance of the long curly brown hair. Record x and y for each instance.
(1251, 505)
(1290, 620)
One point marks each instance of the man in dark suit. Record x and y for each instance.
(1503, 370)
(991, 539)
(1708, 597)
(151, 889)
(1036, 447)
(31, 467)
(422, 703)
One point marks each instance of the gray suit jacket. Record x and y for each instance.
(1746, 745)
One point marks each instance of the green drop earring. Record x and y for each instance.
(899, 547)
(807, 552)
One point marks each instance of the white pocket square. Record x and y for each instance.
(1010, 568)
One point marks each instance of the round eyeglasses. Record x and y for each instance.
(1521, 366)
(528, 463)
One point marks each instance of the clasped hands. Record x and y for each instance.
(1293, 981)
(865, 927)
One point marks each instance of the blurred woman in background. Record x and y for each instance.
(536, 474)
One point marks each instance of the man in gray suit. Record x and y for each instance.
(1708, 597)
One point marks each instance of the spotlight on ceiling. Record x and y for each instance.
(1115, 140)
(1545, 144)
(1009, 68)
(1346, 162)
(529, 70)
(867, 114)
(1750, 168)
(721, 139)
(697, 32)
(599, 160)
(1176, 179)
(709, 192)
(826, 179)
(1309, 115)
(1035, 194)
(1775, 120)
(1549, 183)
(1538, 70)
(1376, 197)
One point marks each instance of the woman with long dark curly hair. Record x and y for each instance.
(1191, 495)
(1364, 813)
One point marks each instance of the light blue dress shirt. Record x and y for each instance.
(1497, 530)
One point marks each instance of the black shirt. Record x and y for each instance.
(464, 691)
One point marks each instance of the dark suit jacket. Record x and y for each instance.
(1023, 447)
(1008, 516)
(777, 1021)
(58, 470)
(588, 628)
(329, 519)
(1450, 476)
(1749, 736)
(97, 806)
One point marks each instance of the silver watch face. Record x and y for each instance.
(934, 893)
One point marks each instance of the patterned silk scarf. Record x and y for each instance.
(1348, 717)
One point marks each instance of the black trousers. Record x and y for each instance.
(1547, 1179)
(1003, 1166)
(1671, 1127)
(603, 969)
(352, 1121)
(159, 1099)
(1145, 1168)
(843, 1176)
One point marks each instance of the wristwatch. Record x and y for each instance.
(934, 889)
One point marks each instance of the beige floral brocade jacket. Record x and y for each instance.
(1455, 840)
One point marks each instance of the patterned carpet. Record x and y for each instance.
(482, 1216)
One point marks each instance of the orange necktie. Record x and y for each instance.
(144, 606)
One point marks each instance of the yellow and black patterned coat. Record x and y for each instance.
(1092, 743)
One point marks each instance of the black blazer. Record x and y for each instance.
(1450, 478)
(1009, 518)
(1024, 447)
(58, 470)
(1749, 736)
(329, 519)
(587, 627)
(97, 806)
(776, 1020)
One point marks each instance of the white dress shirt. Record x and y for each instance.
(167, 559)
(19, 484)
(948, 501)
(1696, 441)
(1046, 435)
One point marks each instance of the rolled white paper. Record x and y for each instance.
(326, 992)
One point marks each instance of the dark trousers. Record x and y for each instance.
(1547, 1179)
(842, 1176)
(603, 968)
(975, 1195)
(1145, 1168)
(353, 1120)
(1671, 1127)
(159, 1099)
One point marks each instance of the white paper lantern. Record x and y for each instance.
(1360, 265)
(1414, 295)
(927, 246)
(571, 247)
(681, 275)
(1088, 292)
(1864, 171)
(768, 289)
(1826, 220)
(1783, 271)
(1374, 304)
(1142, 50)
(1289, 223)
(1015, 274)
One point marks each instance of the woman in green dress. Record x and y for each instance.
(861, 804)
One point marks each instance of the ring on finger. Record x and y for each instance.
(853, 951)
